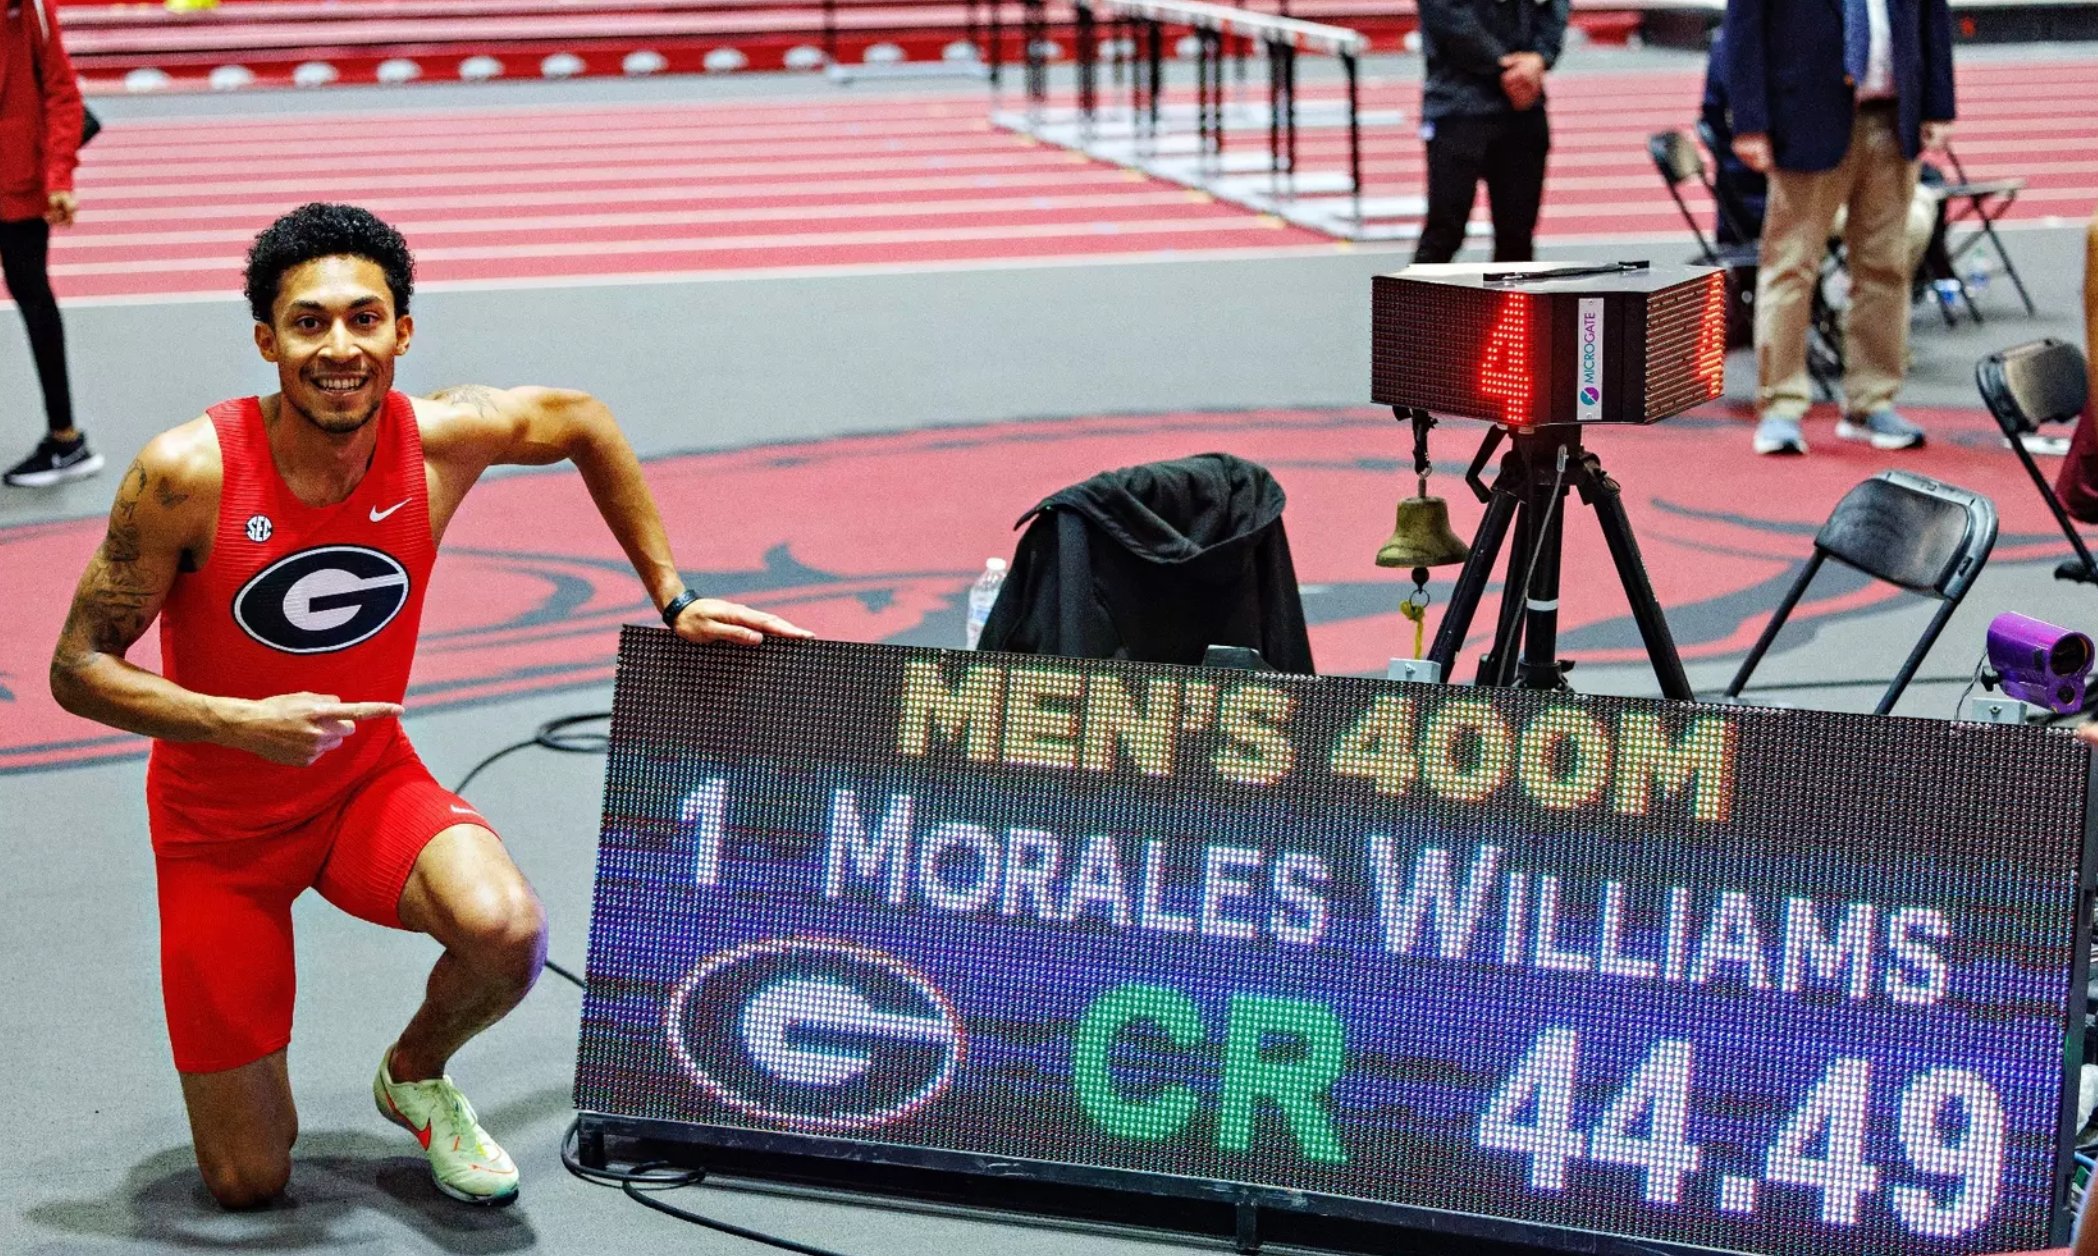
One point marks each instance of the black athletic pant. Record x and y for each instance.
(25, 248)
(1505, 149)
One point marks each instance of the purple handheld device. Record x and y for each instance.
(2040, 663)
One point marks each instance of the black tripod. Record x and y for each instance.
(1540, 467)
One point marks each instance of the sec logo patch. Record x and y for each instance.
(320, 600)
(814, 1034)
(258, 528)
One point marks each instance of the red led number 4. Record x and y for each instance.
(1711, 337)
(1504, 368)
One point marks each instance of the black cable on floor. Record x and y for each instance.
(643, 1196)
(643, 1181)
(553, 735)
(635, 1192)
(646, 1175)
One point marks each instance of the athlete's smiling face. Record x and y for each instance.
(334, 335)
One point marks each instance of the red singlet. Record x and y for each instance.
(319, 599)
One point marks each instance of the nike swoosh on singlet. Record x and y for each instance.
(378, 514)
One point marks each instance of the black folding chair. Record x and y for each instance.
(1741, 219)
(2043, 381)
(1987, 201)
(1910, 531)
(1679, 162)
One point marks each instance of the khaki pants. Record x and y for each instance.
(1876, 183)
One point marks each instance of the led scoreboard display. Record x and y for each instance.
(1698, 978)
(1503, 342)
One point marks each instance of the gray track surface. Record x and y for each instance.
(102, 1161)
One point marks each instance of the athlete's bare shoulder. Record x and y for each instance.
(464, 421)
(188, 450)
(179, 475)
(475, 424)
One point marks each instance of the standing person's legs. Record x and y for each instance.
(1456, 160)
(25, 250)
(63, 454)
(1795, 238)
(1515, 162)
(1876, 334)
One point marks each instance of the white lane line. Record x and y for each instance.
(838, 270)
(466, 159)
(1022, 158)
(219, 145)
(521, 223)
(232, 263)
(675, 192)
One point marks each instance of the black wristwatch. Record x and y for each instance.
(676, 606)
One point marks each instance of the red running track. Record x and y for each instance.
(587, 192)
(536, 194)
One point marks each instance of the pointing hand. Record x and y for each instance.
(298, 728)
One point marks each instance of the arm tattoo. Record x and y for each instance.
(480, 396)
(118, 597)
(121, 543)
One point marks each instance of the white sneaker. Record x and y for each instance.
(1882, 429)
(1779, 435)
(2040, 445)
(465, 1163)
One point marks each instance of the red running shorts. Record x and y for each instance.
(225, 904)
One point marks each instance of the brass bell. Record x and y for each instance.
(1421, 536)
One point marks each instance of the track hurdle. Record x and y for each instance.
(1187, 144)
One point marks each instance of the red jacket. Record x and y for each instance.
(39, 110)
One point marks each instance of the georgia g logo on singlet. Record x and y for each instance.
(322, 599)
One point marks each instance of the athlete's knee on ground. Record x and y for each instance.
(248, 1180)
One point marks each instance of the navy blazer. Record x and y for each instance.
(1785, 75)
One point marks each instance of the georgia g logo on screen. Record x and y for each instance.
(814, 1034)
(322, 599)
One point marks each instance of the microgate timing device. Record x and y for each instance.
(1530, 346)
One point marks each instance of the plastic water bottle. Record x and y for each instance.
(982, 595)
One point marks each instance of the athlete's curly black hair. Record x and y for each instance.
(323, 230)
